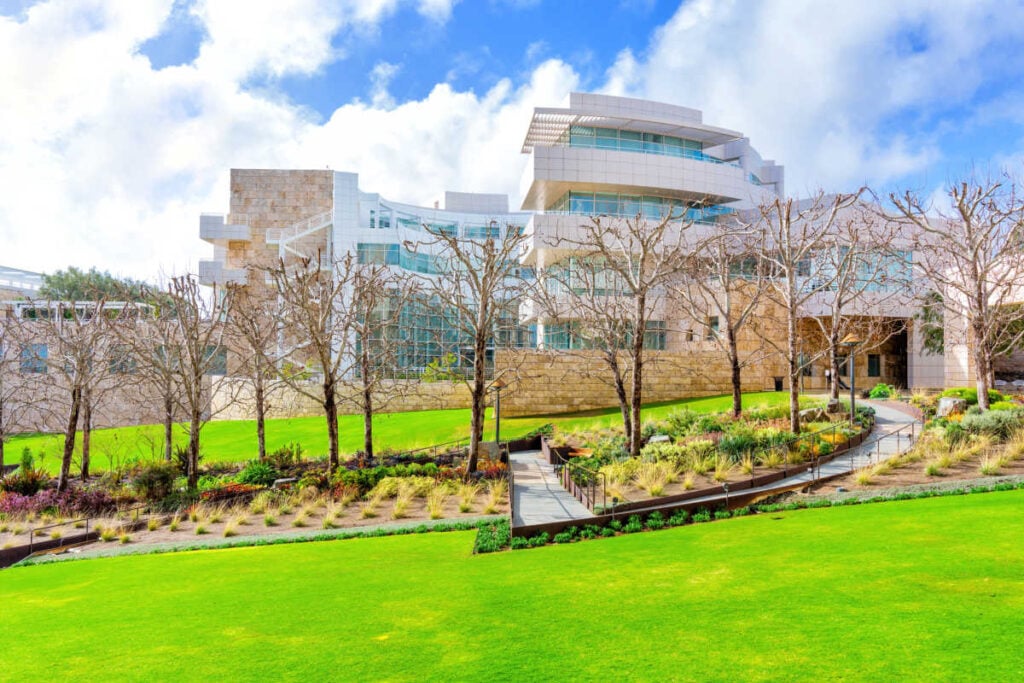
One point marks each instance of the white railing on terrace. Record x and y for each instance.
(303, 227)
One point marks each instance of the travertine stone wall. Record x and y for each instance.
(233, 399)
(275, 199)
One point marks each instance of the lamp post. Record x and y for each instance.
(496, 386)
(851, 341)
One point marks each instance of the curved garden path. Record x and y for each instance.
(539, 497)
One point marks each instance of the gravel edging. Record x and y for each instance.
(893, 491)
(95, 551)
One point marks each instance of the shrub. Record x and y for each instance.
(701, 516)
(998, 424)
(655, 520)
(285, 456)
(881, 391)
(680, 421)
(563, 537)
(540, 539)
(493, 537)
(546, 429)
(518, 543)
(25, 481)
(678, 518)
(258, 473)
(970, 394)
(955, 434)
(722, 514)
(738, 444)
(707, 424)
(633, 525)
(1003, 405)
(154, 480)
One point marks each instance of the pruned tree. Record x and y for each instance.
(793, 235)
(69, 342)
(74, 284)
(198, 354)
(151, 339)
(858, 275)
(316, 316)
(252, 335)
(724, 279)
(972, 255)
(477, 285)
(16, 397)
(616, 281)
(376, 297)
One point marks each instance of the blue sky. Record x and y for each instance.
(122, 118)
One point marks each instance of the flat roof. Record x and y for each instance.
(15, 278)
(549, 123)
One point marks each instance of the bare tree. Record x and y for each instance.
(476, 287)
(71, 344)
(15, 395)
(200, 354)
(152, 341)
(793, 235)
(252, 335)
(972, 255)
(316, 316)
(859, 275)
(618, 277)
(376, 298)
(724, 279)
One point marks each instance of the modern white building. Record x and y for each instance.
(595, 155)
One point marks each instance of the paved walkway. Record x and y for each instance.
(538, 496)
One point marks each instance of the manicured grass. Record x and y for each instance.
(235, 440)
(893, 591)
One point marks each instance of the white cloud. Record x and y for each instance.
(437, 10)
(816, 85)
(105, 161)
(380, 79)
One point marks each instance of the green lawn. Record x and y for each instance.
(235, 440)
(916, 590)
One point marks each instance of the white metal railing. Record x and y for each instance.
(303, 227)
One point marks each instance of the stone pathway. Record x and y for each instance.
(538, 496)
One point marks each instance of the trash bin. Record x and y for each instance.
(778, 383)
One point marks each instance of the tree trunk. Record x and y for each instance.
(794, 377)
(834, 372)
(479, 393)
(331, 413)
(734, 362)
(982, 369)
(261, 411)
(86, 434)
(636, 400)
(168, 429)
(69, 439)
(620, 394)
(367, 402)
(3, 436)
(193, 449)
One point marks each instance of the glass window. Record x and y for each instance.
(581, 203)
(217, 356)
(631, 140)
(607, 204)
(121, 360)
(654, 336)
(712, 328)
(33, 358)
(874, 365)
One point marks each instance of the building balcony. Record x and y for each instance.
(555, 170)
(214, 273)
(214, 229)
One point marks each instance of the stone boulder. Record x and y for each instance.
(834, 406)
(949, 405)
(813, 415)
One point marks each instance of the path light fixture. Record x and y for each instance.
(851, 341)
(496, 386)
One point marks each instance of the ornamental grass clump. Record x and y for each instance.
(865, 476)
(403, 499)
(467, 494)
(175, 523)
(653, 476)
(496, 490)
(153, 523)
(436, 500)
(989, 466)
(723, 468)
(369, 508)
(269, 518)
